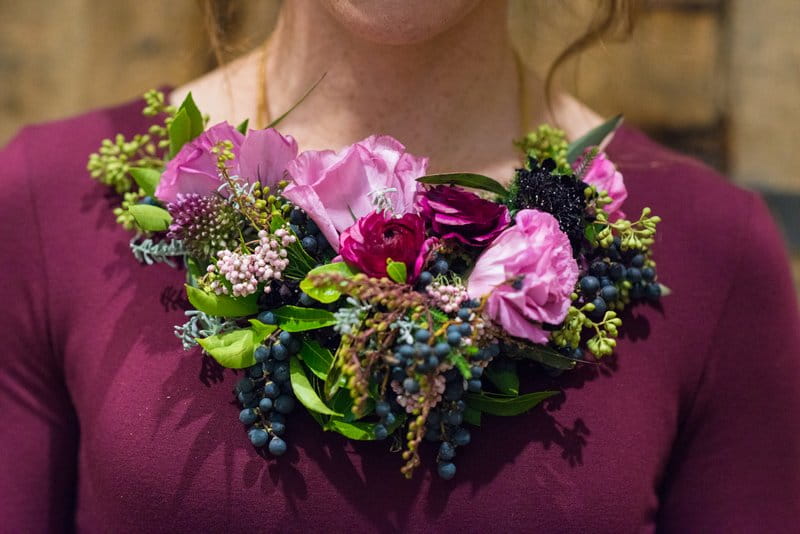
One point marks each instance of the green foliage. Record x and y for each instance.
(539, 353)
(124, 217)
(594, 137)
(465, 179)
(180, 132)
(502, 373)
(147, 179)
(304, 391)
(233, 349)
(397, 271)
(196, 122)
(547, 142)
(242, 128)
(112, 162)
(506, 405)
(300, 262)
(316, 357)
(149, 252)
(299, 319)
(327, 293)
(150, 218)
(461, 364)
(222, 305)
(359, 430)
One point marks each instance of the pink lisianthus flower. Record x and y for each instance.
(337, 188)
(603, 174)
(378, 237)
(454, 213)
(261, 156)
(529, 273)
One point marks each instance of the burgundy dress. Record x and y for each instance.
(109, 426)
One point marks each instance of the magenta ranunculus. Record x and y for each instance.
(454, 213)
(337, 188)
(529, 273)
(261, 156)
(378, 237)
(603, 174)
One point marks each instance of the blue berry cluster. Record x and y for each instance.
(444, 423)
(610, 272)
(309, 235)
(266, 392)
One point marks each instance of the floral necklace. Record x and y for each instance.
(383, 300)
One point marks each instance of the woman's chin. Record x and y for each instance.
(398, 22)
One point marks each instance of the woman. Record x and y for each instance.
(693, 427)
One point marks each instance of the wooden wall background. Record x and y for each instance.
(719, 79)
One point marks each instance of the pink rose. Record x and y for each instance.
(337, 188)
(454, 213)
(262, 156)
(529, 274)
(374, 239)
(603, 174)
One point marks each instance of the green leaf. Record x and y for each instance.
(179, 131)
(506, 405)
(359, 430)
(466, 179)
(261, 331)
(299, 319)
(193, 270)
(472, 416)
(397, 271)
(242, 128)
(502, 372)
(222, 305)
(461, 364)
(335, 378)
(283, 116)
(146, 178)
(342, 402)
(304, 391)
(150, 218)
(316, 357)
(547, 356)
(594, 137)
(233, 349)
(196, 125)
(329, 293)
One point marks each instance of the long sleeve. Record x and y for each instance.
(736, 462)
(39, 437)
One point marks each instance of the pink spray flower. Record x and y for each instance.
(454, 213)
(603, 174)
(337, 188)
(529, 274)
(378, 237)
(261, 156)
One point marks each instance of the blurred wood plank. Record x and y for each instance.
(764, 104)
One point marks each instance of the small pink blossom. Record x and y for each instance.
(528, 273)
(337, 188)
(603, 174)
(245, 272)
(448, 297)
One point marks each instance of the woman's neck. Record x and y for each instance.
(443, 97)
